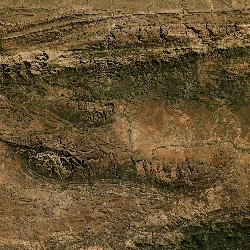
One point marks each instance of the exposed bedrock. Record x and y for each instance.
(141, 117)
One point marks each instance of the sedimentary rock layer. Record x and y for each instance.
(125, 128)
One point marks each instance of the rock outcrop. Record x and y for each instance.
(125, 124)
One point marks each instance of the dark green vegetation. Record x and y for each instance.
(219, 236)
(200, 78)
(210, 236)
(187, 78)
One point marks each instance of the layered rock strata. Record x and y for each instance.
(131, 123)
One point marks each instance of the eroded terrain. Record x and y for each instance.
(125, 128)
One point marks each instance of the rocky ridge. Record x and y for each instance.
(141, 117)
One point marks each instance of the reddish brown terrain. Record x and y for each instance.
(125, 124)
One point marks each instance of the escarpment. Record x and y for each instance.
(125, 125)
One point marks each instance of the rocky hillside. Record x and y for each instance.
(125, 124)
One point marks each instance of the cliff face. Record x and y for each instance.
(125, 125)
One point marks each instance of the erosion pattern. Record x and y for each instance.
(125, 124)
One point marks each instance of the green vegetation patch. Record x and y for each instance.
(217, 236)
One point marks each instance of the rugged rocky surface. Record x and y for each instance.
(125, 125)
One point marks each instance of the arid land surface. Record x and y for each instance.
(125, 124)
